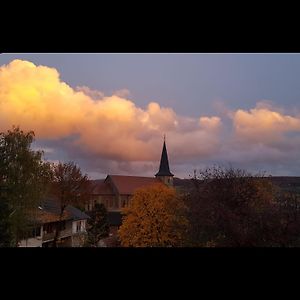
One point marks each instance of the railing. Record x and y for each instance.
(62, 234)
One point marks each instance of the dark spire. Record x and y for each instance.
(164, 169)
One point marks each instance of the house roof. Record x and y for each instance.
(126, 185)
(42, 217)
(76, 213)
(49, 211)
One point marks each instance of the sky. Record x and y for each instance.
(109, 112)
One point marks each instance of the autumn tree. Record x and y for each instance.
(98, 227)
(24, 178)
(231, 207)
(69, 187)
(154, 218)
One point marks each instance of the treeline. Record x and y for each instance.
(233, 208)
(219, 208)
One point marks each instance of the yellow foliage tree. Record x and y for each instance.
(156, 217)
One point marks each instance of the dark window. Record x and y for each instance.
(63, 225)
(49, 227)
(78, 227)
(38, 231)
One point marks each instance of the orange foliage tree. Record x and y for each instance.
(156, 217)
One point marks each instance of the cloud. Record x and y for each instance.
(110, 127)
(94, 94)
(263, 124)
(111, 134)
(122, 93)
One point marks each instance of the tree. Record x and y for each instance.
(288, 219)
(155, 218)
(98, 227)
(231, 207)
(5, 230)
(24, 178)
(70, 187)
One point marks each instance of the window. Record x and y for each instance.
(62, 225)
(124, 202)
(38, 231)
(34, 232)
(116, 203)
(78, 226)
(49, 227)
(91, 205)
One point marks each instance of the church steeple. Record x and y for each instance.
(164, 171)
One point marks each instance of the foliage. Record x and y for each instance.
(155, 218)
(98, 227)
(288, 219)
(231, 207)
(69, 187)
(23, 181)
(5, 230)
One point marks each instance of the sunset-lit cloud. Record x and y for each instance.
(112, 127)
(263, 124)
(94, 94)
(110, 133)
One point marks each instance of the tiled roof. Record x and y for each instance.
(49, 211)
(126, 185)
(76, 213)
(41, 216)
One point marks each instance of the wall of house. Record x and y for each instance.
(111, 202)
(124, 201)
(67, 232)
(78, 226)
(78, 233)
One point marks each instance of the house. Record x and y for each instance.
(46, 219)
(116, 191)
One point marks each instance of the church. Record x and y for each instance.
(115, 191)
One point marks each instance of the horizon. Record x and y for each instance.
(108, 112)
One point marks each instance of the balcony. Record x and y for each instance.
(62, 234)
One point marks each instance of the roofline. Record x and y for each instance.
(163, 174)
(131, 176)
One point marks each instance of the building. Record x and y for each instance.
(115, 191)
(47, 220)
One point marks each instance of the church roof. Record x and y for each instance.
(164, 169)
(101, 187)
(126, 185)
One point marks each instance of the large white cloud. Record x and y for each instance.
(113, 127)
